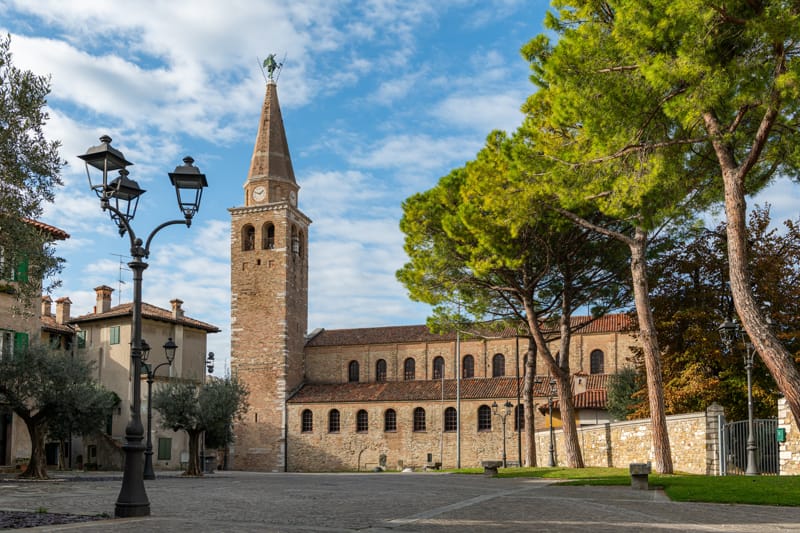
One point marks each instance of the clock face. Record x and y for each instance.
(292, 197)
(259, 193)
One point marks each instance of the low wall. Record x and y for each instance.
(694, 441)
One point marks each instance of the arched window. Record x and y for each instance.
(596, 362)
(450, 419)
(519, 417)
(484, 418)
(295, 241)
(498, 365)
(300, 248)
(409, 369)
(333, 421)
(352, 372)
(468, 367)
(438, 367)
(380, 370)
(419, 419)
(268, 236)
(308, 421)
(362, 421)
(248, 237)
(390, 420)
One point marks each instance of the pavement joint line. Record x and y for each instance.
(460, 505)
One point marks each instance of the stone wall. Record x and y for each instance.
(789, 450)
(694, 441)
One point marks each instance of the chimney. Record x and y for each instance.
(103, 299)
(177, 312)
(62, 310)
(46, 306)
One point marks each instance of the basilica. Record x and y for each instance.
(365, 398)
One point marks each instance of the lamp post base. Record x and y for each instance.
(149, 473)
(132, 500)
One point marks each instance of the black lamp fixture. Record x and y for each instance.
(169, 350)
(210, 362)
(120, 196)
(189, 184)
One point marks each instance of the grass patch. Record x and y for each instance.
(756, 490)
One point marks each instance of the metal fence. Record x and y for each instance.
(733, 449)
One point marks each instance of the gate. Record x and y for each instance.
(733, 447)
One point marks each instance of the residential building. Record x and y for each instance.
(18, 327)
(104, 337)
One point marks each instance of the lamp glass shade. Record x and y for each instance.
(169, 350)
(189, 183)
(145, 350)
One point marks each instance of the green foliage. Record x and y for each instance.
(621, 393)
(52, 393)
(212, 407)
(30, 169)
(222, 401)
(691, 298)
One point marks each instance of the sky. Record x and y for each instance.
(380, 99)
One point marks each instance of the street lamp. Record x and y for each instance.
(508, 406)
(120, 197)
(169, 350)
(730, 332)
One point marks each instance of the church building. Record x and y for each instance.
(389, 397)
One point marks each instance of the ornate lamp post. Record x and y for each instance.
(730, 332)
(120, 197)
(551, 459)
(169, 351)
(507, 411)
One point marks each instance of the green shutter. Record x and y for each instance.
(22, 271)
(20, 342)
(164, 449)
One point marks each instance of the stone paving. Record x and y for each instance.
(372, 502)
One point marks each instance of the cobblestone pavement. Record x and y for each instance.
(245, 501)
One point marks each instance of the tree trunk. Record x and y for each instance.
(193, 466)
(569, 430)
(569, 422)
(777, 359)
(527, 401)
(37, 466)
(652, 353)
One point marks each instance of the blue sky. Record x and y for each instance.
(380, 98)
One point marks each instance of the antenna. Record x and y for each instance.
(120, 281)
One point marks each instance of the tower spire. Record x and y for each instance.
(271, 159)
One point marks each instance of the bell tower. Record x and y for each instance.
(269, 294)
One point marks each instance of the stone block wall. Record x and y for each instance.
(788, 451)
(694, 440)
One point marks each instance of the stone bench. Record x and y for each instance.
(433, 465)
(490, 467)
(639, 475)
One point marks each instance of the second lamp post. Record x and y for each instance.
(169, 352)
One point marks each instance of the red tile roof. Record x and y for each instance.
(54, 232)
(427, 390)
(420, 333)
(148, 311)
(590, 399)
(49, 324)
